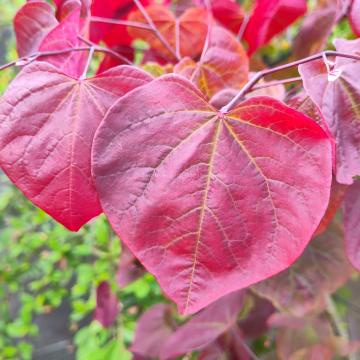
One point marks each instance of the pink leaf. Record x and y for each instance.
(47, 124)
(31, 24)
(107, 305)
(186, 187)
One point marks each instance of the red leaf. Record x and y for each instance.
(112, 35)
(269, 18)
(224, 64)
(107, 305)
(187, 33)
(186, 187)
(354, 16)
(65, 36)
(338, 101)
(352, 224)
(337, 195)
(228, 13)
(205, 327)
(153, 329)
(47, 124)
(31, 24)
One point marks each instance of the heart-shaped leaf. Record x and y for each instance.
(186, 35)
(269, 18)
(31, 24)
(224, 64)
(186, 187)
(47, 124)
(339, 104)
(66, 36)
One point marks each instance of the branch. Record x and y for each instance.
(155, 29)
(338, 322)
(106, 50)
(25, 60)
(249, 86)
(134, 24)
(276, 82)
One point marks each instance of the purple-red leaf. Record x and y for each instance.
(66, 36)
(186, 187)
(224, 64)
(153, 329)
(354, 16)
(31, 24)
(339, 101)
(47, 124)
(352, 224)
(204, 328)
(304, 287)
(269, 18)
(186, 35)
(107, 305)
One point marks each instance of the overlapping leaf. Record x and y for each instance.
(186, 35)
(223, 65)
(31, 24)
(269, 18)
(228, 13)
(186, 187)
(153, 329)
(355, 17)
(321, 270)
(339, 102)
(47, 124)
(107, 305)
(66, 36)
(204, 328)
(352, 224)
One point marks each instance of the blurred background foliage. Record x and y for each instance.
(49, 276)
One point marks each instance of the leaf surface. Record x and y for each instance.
(186, 35)
(185, 187)
(47, 124)
(354, 16)
(153, 329)
(320, 271)
(66, 36)
(224, 64)
(31, 25)
(352, 224)
(107, 305)
(339, 102)
(269, 18)
(205, 327)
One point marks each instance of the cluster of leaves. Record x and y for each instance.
(214, 181)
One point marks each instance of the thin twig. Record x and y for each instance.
(155, 29)
(134, 24)
(275, 83)
(88, 62)
(106, 50)
(25, 60)
(264, 73)
(339, 323)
